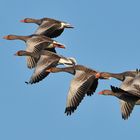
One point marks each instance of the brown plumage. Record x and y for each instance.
(45, 60)
(119, 76)
(35, 43)
(48, 27)
(128, 93)
(84, 82)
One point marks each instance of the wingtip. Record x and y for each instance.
(69, 110)
(27, 83)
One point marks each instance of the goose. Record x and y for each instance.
(128, 93)
(84, 82)
(36, 43)
(45, 59)
(48, 26)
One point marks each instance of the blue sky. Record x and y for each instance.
(105, 38)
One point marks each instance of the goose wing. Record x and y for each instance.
(93, 87)
(134, 94)
(48, 29)
(78, 88)
(126, 108)
(35, 45)
(45, 62)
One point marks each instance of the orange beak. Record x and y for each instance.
(48, 70)
(5, 37)
(100, 93)
(22, 20)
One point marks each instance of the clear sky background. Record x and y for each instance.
(106, 37)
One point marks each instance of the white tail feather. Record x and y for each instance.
(68, 61)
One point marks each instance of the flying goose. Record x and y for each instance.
(45, 60)
(36, 43)
(128, 93)
(84, 82)
(48, 26)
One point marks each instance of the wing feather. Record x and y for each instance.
(49, 29)
(35, 45)
(45, 62)
(126, 108)
(78, 88)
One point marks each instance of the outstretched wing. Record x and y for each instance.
(44, 63)
(78, 88)
(93, 88)
(35, 45)
(130, 94)
(49, 29)
(126, 108)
